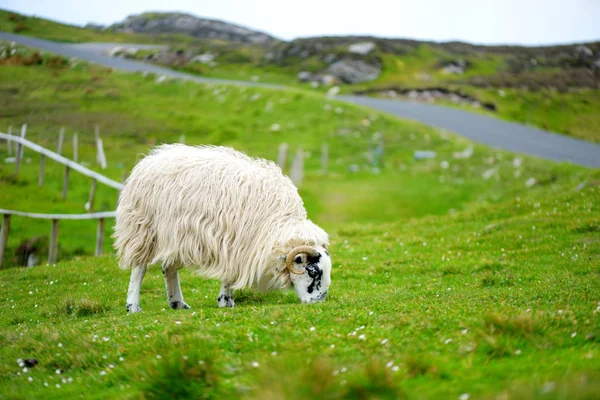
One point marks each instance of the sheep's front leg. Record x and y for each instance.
(174, 295)
(225, 298)
(135, 285)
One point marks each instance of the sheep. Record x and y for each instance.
(225, 215)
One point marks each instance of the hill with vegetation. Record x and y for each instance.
(552, 87)
(473, 274)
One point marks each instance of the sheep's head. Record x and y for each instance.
(310, 272)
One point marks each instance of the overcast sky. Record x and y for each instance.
(475, 21)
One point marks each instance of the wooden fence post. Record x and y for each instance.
(90, 202)
(20, 151)
(4, 238)
(23, 133)
(9, 142)
(297, 172)
(66, 183)
(282, 155)
(100, 156)
(53, 250)
(61, 138)
(99, 237)
(75, 148)
(324, 158)
(41, 176)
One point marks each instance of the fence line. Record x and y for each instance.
(53, 248)
(65, 161)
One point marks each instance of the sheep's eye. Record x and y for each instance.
(298, 260)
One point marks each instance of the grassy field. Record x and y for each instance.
(453, 277)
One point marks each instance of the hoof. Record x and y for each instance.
(225, 301)
(179, 305)
(133, 308)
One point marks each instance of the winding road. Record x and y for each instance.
(479, 128)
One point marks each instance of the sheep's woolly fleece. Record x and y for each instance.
(225, 214)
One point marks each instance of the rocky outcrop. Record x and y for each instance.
(354, 71)
(156, 23)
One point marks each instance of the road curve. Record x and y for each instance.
(479, 128)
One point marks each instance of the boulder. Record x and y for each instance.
(354, 71)
(203, 58)
(362, 48)
(305, 76)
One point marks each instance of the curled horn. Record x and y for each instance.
(289, 261)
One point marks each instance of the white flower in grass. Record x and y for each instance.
(362, 337)
(30, 379)
(464, 396)
(395, 368)
(530, 182)
(255, 364)
(384, 342)
(275, 128)
(102, 373)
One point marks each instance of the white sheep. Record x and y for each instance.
(224, 214)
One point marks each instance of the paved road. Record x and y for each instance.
(479, 128)
(104, 48)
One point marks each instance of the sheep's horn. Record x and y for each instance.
(289, 261)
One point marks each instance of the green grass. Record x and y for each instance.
(465, 284)
(477, 302)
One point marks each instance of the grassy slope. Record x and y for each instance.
(51, 30)
(421, 254)
(134, 112)
(477, 302)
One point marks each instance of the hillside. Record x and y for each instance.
(552, 87)
(470, 275)
(180, 23)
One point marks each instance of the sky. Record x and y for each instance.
(527, 22)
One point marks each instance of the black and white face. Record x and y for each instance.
(312, 285)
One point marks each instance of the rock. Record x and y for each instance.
(158, 23)
(362, 48)
(354, 71)
(457, 67)
(584, 51)
(205, 58)
(30, 362)
(115, 51)
(329, 58)
(328, 80)
(93, 26)
(305, 76)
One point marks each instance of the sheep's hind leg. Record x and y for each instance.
(225, 298)
(174, 295)
(135, 285)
